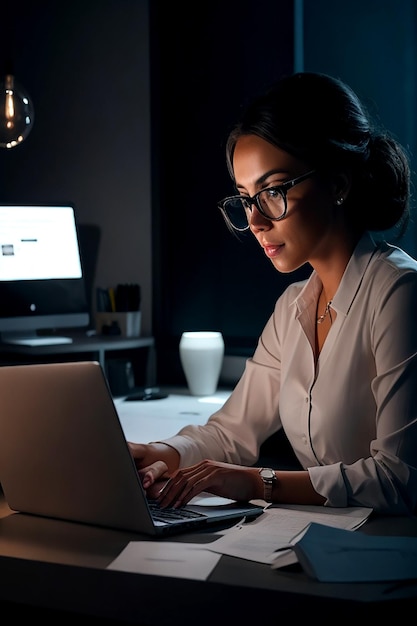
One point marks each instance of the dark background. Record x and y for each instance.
(207, 279)
(133, 103)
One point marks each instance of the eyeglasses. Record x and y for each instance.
(270, 202)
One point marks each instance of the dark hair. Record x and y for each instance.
(320, 120)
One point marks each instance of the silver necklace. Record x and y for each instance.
(326, 313)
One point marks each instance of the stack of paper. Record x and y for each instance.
(333, 554)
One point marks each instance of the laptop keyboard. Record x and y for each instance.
(170, 515)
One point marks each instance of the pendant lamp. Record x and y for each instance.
(16, 112)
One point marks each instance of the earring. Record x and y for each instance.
(339, 201)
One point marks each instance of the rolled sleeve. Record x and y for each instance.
(328, 482)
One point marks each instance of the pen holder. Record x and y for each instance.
(125, 324)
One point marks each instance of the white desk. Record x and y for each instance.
(151, 420)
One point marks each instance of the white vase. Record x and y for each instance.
(201, 355)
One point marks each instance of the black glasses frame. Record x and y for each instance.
(254, 200)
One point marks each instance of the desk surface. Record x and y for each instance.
(62, 566)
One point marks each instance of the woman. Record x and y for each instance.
(336, 365)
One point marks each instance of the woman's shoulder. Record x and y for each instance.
(376, 262)
(391, 264)
(395, 257)
(391, 275)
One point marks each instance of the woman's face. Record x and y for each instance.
(305, 233)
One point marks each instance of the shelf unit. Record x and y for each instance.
(83, 347)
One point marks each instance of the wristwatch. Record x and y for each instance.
(269, 478)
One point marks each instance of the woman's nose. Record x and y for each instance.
(257, 221)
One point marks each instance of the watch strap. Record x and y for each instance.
(269, 478)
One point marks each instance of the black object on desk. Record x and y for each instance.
(148, 393)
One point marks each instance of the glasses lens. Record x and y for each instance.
(272, 202)
(236, 212)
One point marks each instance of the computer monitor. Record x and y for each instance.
(42, 286)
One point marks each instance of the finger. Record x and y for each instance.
(174, 493)
(154, 490)
(184, 485)
(152, 473)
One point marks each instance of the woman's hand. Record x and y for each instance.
(146, 454)
(154, 461)
(154, 478)
(221, 479)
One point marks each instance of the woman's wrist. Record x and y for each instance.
(165, 452)
(269, 481)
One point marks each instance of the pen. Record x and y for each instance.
(112, 300)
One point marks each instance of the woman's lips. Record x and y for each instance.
(272, 250)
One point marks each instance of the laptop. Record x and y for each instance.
(64, 455)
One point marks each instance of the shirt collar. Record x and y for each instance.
(350, 283)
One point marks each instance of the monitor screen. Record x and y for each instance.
(42, 286)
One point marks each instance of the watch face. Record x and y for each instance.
(267, 473)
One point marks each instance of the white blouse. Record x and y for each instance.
(352, 418)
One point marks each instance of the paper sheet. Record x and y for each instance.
(256, 541)
(178, 560)
(273, 530)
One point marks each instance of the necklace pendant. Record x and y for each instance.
(321, 318)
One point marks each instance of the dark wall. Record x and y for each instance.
(203, 71)
(85, 63)
(376, 53)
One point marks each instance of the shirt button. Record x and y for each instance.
(306, 399)
(304, 440)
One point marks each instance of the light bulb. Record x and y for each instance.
(16, 113)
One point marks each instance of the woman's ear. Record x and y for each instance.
(341, 187)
